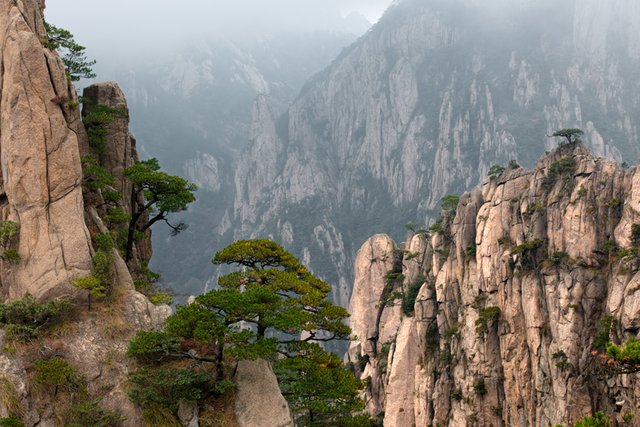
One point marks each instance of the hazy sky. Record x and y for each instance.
(151, 24)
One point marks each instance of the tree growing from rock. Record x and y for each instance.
(572, 135)
(272, 307)
(73, 55)
(155, 193)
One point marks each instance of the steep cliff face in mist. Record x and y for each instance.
(533, 270)
(193, 111)
(423, 105)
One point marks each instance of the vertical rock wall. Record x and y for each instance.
(513, 290)
(41, 173)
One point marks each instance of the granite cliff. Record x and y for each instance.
(58, 224)
(491, 318)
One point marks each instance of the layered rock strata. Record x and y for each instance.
(533, 272)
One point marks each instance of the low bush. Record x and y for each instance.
(56, 374)
(168, 387)
(599, 419)
(479, 387)
(487, 317)
(564, 166)
(409, 298)
(11, 421)
(90, 413)
(25, 319)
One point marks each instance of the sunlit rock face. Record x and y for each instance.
(512, 295)
(422, 106)
(41, 174)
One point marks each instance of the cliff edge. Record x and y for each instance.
(492, 318)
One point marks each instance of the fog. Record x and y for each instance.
(138, 27)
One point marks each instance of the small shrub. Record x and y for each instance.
(495, 171)
(111, 196)
(561, 167)
(118, 216)
(604, 329)
(11, 421)
(533, 208)
(471, 250)
(452, 332)
(409, 299)
(146, 281)
(93, 285)
(610, 247)
(527, 252)
(56, 374)
(628, 417)
(479, 301)
(25, 319)
(11, 256)
(479, 387)
(102, 266)
(560, 358)
(627, 355)
(8, 229)
(436, 227)
(168, 387)
(615, 202)
(160, 297)
(96, 121)
(90, 413)
(527, 246)
(487, 316)
(95, 176)
(104, 241)
(582, 192)
(513, 164)
(456, 394)
(411, 255)
(597, 420)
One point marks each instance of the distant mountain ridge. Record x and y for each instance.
(422, 105)
(192, 110)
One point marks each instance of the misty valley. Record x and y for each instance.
(338, 213)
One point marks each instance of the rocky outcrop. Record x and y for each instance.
(533, 272)
(259, 402)
(118, 153)
(422, 106)
(41, 138)
(41, 174)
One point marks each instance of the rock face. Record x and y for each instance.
(422, 105)
(533, 271)
(41, 174)
(65, 231)
(41, 138)
(259, 402)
